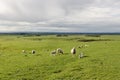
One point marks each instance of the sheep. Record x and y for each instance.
(81, 46)
(81, 55)
(86, 45)
(33, 51)
(23, 51)
(53, 52)
(59, 50)
(73, 50)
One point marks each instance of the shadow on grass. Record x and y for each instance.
(92, 40)
(57, 71)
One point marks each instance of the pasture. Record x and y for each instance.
(101, 61)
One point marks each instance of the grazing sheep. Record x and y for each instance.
(73, 51)
(81, 55)
(53, 52)
(59, 50)
(33, 51)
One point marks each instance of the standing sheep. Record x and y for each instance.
(33, 51)
(59, 50)
(73, 50)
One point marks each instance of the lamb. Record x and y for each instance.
(73, 50)
(59, 50)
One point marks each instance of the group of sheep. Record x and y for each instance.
(60, 51)
(73, 51)
(33, 51)
(83, 46)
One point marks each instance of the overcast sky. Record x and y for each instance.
(60, 15)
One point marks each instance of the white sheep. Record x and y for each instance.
(23, 51)
(53, 52)
(86, 45)
(59, 50)
(73, 50)
(33, 51)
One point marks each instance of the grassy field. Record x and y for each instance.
(101, 61)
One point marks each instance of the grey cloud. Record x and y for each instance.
(39, 10)
(60, 15)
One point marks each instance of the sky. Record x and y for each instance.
(59, 15)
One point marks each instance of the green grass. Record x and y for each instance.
(101, 61)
